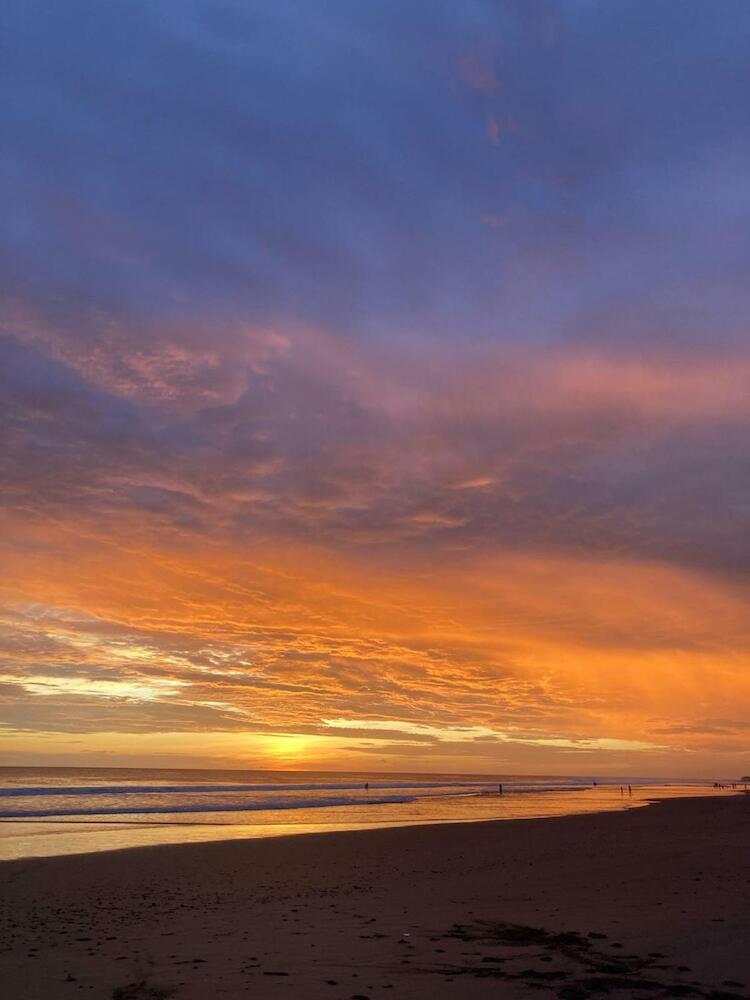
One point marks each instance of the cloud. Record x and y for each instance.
(376, 362)
(326, 168)
(578, 450)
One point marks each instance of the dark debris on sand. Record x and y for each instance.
(584, 971)
(141, 991)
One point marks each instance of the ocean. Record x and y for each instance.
(55, 811)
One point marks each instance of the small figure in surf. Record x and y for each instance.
(499, 789)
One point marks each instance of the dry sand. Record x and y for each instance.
(654, 902)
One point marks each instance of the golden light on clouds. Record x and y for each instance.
(305, 658)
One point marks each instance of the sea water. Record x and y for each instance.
(56, 811)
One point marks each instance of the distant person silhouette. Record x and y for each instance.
(499, 789)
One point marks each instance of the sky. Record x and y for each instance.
(375, 385)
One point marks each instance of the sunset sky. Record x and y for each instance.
(375, 385)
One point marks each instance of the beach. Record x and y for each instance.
(647, 902)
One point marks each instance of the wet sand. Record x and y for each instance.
(653, 902)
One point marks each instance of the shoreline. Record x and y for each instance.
(99, 833)
(441, 910)
(305, 833)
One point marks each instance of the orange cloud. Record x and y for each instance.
(548, 657)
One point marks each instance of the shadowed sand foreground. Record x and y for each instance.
(654, 902)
